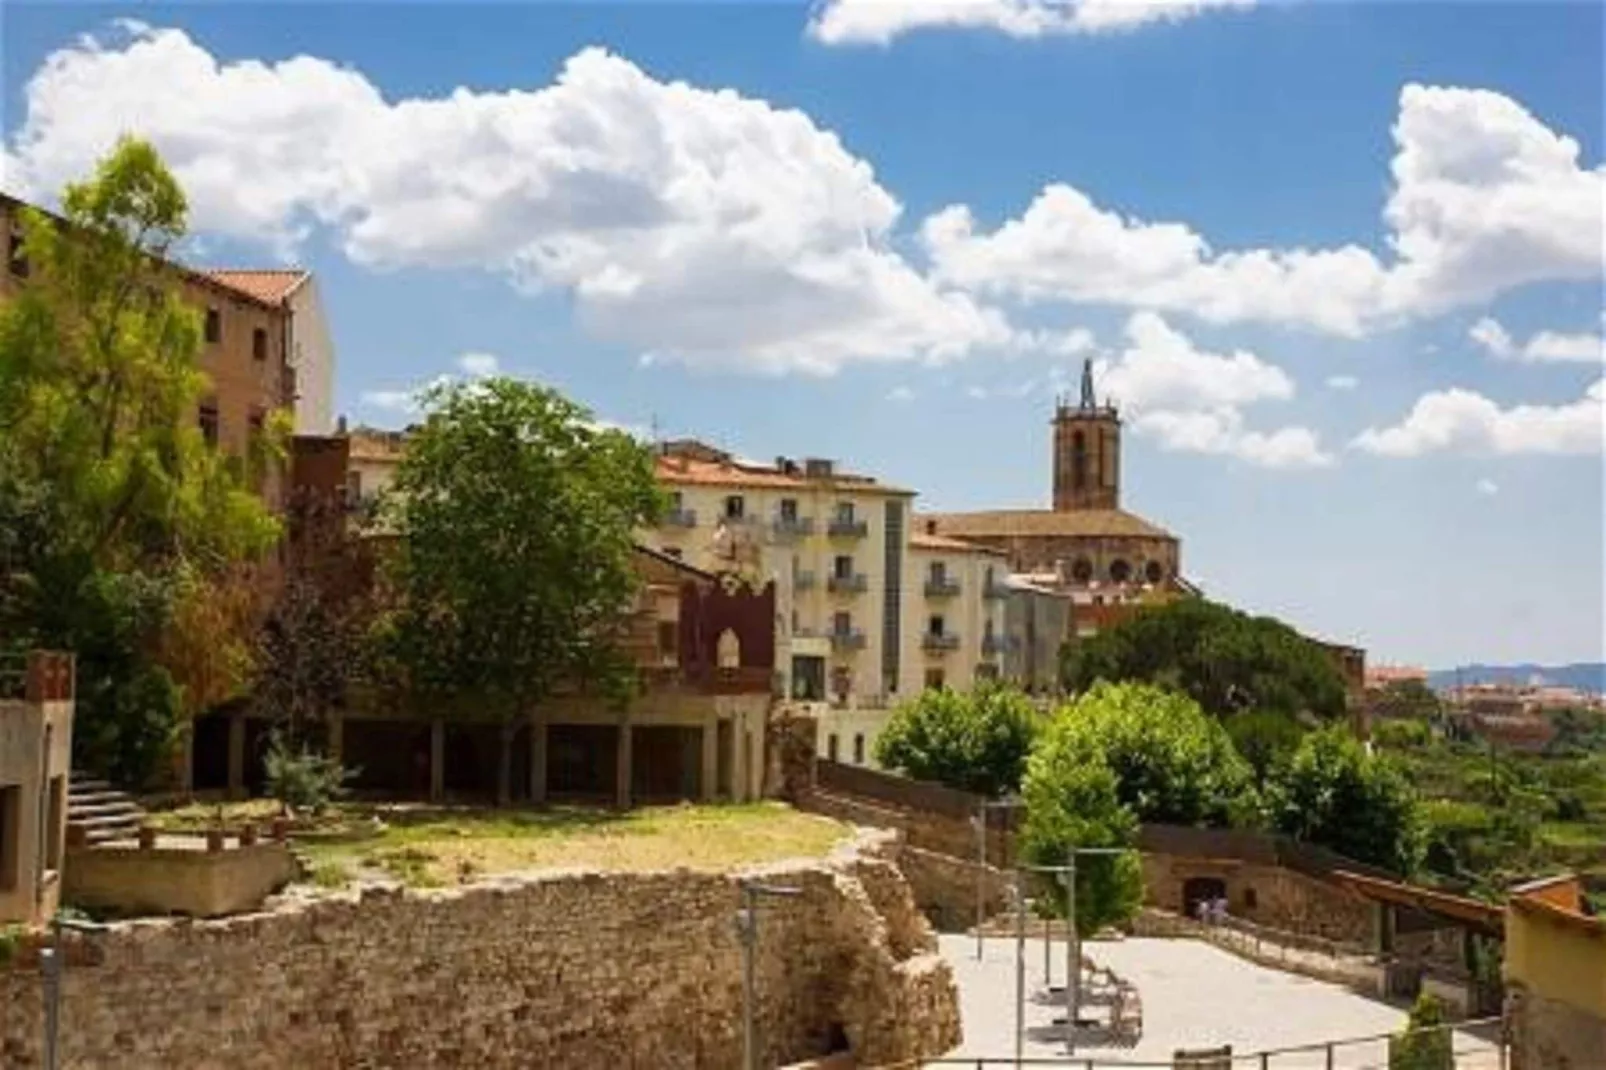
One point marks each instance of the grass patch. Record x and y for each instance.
(1573, 834)
(429, 848)
(198, 817)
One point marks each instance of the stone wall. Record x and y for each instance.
(1267, 895)
(946, 888)
(175, 879)
(562, 970)
(1549, 1034)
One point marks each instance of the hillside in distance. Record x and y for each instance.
(1583, 675)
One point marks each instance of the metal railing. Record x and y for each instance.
(1478, 1044)
(856, 583)
(804, 581)
(942, 588)
(853, 640)
(793, 527)
(944, 641)
(843, 527)
(680, 518)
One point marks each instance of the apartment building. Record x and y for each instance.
(309, 349)
(244, 352)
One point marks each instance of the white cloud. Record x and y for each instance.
(1191, 400)
(1488, 488)
(702, 226)
(479, 365)
(407, 401)
(976, 393)
(1485, 198)
(900, 393)
(1342, 382)
(877, 22)
(1467, 422)
(1544, 347)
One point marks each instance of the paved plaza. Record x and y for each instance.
(1193, 995)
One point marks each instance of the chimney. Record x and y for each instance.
(340, 424)
(931, 527)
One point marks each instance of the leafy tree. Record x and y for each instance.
(1334, 793)
(975, 742)
(1265, 740)
(514, 566)
(1411, 699)
(1226, 660)
(125, 514)
(1172, 763)
(1071, 802)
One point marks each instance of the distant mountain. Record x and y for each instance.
(1584, 675)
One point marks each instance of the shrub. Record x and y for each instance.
(973, 742)
(302, 779)
(1413, 1050)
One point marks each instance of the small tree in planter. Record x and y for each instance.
(302, 779)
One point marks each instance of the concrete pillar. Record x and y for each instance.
(739, 772)
(437, 760)
(237, 756)
(337, 736)
(622, 768)
(538, 743)
(710, 758)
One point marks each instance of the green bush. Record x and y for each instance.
(1412, 1050)
(1337, 794)
(302, 779)
(973, 742)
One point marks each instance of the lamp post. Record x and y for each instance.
(52, 961)
(1008, 802)
(747, 933)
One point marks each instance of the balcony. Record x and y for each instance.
(995, 591)
(939, 642)
(941, 587)
(857, 583)
(680, 518)
(844, 527)
(993, 645)
(792, 527)
(843, 642)
(804, 581)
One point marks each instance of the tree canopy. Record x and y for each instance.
(1225, 660)
(513, 570)
(124, 520)
(976, 741)
(1172, 763)
(1334, 793)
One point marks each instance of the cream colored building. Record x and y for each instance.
(36, 715)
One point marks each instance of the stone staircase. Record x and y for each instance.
(100, 812)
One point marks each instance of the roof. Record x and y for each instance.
(921, 540)
(270, 285)
(374, 444)
(1090, 523)
(673, 562)
(1444, 904)
(686, 471)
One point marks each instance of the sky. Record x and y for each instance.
(1339, 264)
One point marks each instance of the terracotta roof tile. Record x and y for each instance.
(270, 285)
(683, 471)
(1093, 523)
(920, 540)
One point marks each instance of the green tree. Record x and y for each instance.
(513, 569)
(125, 513)
(1265, 740)
(1335, 793)
(1226, 660)
(1172, 763)
(1072, 802)
(975, 742)
(1423, 1045)
(1411, 699)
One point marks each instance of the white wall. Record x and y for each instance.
(312, 354)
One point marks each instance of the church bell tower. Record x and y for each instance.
(1087, 451)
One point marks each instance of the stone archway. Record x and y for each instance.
(1196, 890)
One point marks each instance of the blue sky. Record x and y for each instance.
(1338, 262)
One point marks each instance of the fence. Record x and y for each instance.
(1472, 1045)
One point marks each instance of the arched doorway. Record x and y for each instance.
(1196, 890)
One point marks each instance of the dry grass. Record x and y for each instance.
(431, 848)
(197, 817)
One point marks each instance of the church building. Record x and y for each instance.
(1086, 545)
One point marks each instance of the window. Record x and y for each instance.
(1154, 571)
(1082, 570)
(214, 325)
(1120, 570)
(259, 344)
(255, 420)
(935, 625)
(789, 510)
(10, 836)
(842, 566)
(676, 501)
(934, 679)
(858, 748)
(668, 639)
(209, 423)
(830, 746)
(844, 512)
(938, 573)
(842, 623)
(16, 258)
(735, 507)
(1078, 460)
(353, 488)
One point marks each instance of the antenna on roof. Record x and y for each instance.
(652, 424)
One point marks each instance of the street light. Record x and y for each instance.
(1008, 802)
(51, 961)
(747, 933)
